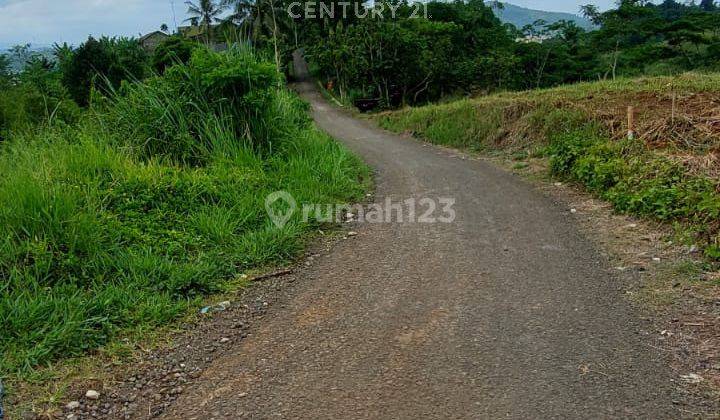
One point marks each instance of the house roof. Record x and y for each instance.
(146, 36)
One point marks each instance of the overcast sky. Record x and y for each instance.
(48, 21)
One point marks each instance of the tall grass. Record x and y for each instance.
(152, 201)
(549, 122)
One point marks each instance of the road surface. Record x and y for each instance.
(506, 312)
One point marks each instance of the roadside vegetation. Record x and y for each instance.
(124, 216)
(669, 172)
(462, 48)
(416, 54)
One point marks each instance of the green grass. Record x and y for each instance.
(562, 125)
(686, 82)
(154, 200)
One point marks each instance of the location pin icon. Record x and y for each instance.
(280, 218)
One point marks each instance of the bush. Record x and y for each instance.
(636, 182)
(34, 97)
(180, 115)
(172, 51)
(99, 63)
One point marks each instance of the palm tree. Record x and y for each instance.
(206, 12)
(258, 17)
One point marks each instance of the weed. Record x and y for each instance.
(154, 199)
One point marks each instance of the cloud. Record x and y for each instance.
(48, 21)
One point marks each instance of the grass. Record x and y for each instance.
(665, 288)
(154, 200)
(668, 174)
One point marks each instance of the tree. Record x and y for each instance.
(4, 65)
(567, 30)
(99, 63)
(377, 60)
(4, 70)
(174, 50)
(260, 17)
(206, 12)
(535, 29)
(708, 5)
(591, 12)
(89, 60)
(21, 53)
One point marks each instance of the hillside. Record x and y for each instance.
(521, 16)
(668, 173)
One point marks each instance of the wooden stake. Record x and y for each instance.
(631, 122)
(672, 118)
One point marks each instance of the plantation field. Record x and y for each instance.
(153, 200)
(669, 172)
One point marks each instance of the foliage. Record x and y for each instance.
(205, 13)
(99, 239)
(626, 173)
(168, 115)
(462, 48)
(33, 96)
(173, 50)
(4, 68)
(636, 182)
(26, 106)
(410, 60)
(101, 64)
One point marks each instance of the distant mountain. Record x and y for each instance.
(521, 16)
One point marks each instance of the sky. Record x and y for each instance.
(43, 22)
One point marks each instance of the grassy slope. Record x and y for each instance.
(670, 173)
(105, 232)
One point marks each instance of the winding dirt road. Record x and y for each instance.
(507, 312)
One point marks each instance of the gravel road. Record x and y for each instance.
(506, 312)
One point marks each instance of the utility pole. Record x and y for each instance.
(172, 7)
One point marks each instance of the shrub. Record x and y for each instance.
(98, 63)
(183, 113)
(566, 148)
(25, 105)
(637, 182)
(172, 51)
